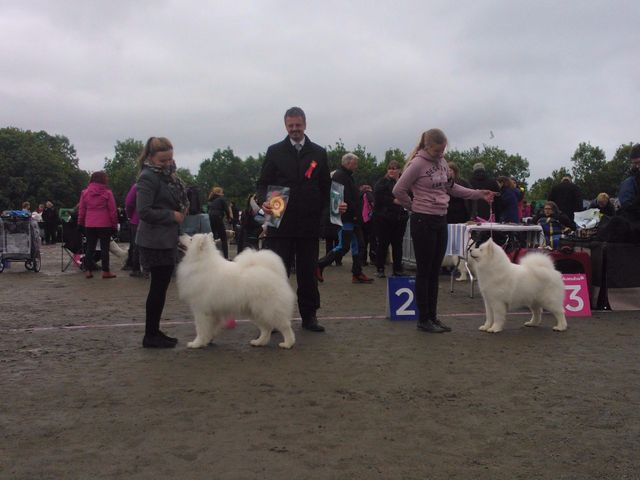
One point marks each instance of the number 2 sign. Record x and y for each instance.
(401, 298)
(576, 295)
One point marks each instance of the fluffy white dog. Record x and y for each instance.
(254, 284)
(535, 284)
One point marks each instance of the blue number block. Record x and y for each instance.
(401, 298)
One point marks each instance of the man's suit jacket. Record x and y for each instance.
(309, 186)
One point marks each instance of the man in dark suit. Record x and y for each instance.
(301, 165)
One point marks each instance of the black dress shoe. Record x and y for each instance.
(430, 327)
(442, 325)
(157, 341)
(168, 338)
(312, 325)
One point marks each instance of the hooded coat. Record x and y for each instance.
(97, 207)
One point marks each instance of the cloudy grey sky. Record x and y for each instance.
(541, 75)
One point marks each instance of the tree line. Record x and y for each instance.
(37, 166)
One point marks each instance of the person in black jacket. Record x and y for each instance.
(218, 211)
(390, 221)
(459, 210)
(350, 235)
(567, 196)
(481, 180)
(51, 221)
(301, 165)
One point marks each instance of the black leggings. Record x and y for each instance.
(103, 234)
(160, 279)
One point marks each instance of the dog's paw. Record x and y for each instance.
(256, 343)
(195, 344)
(483, 327)
(285, 345)
(530, 323)
(494, 330)
(560, 329)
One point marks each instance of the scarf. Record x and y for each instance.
(176, 185)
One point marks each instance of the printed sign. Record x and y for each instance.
(576, 295)
(401, 298)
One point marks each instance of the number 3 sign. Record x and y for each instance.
(576, 295)
(401, 298)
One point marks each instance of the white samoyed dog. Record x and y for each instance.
(254, 284)
(534, 283)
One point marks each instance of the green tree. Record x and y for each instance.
(122, 169)
(589, 169)
(37, 167)
(226, 170)
(496, 162)
(616, 170)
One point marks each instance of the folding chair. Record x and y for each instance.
(72, 246)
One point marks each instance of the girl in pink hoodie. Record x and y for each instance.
(98, 216)
(430, 181)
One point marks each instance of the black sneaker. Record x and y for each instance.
(380, 274)
(429, 326)
(157, 341)
(442, 325)
(312, 324)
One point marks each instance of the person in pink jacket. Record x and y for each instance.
(98, 217)
(430, 182)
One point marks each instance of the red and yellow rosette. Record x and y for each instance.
(277, 204)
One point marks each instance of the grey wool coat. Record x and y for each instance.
(156, 205)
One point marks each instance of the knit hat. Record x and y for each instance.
(478, 166)
(635, 152)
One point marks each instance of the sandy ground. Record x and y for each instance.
(368, 399)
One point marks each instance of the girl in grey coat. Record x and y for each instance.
(162, 205)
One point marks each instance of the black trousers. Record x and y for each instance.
(304, 251)
(93, 235)
(217, 227)
(160, 279)
(429, 235)
(369, 242)
(390, 231)
(133, 257)
(50, 233)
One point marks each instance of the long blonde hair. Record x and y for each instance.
(433, 136)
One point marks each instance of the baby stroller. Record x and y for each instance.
(19, 240)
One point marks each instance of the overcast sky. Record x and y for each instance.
(543, 76)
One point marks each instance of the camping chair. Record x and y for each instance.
(72, 246)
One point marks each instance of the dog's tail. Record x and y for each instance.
(535, 260)
(116, 250)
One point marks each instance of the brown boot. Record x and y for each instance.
(108, 275)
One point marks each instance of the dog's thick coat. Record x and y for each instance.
(254, 284)
(534, 283)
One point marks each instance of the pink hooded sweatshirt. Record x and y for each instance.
(431, 183)
(97, 207)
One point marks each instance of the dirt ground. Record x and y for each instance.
(369, 399)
